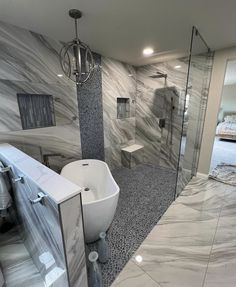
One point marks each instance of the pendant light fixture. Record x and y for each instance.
(76, 58)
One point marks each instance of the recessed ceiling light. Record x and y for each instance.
(59, 75)
(178, 66)
(148, 51)
(139, 258)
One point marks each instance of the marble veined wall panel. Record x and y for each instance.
(40, 230)
(64, 101)
(61, 140)
(29, 63)
(52, 230)
(118, 81)
(28, 56)
(16, 264)
(150, 102)
(73, 234)
(153, 103)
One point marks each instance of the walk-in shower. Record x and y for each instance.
(170, 107)
(144, 117)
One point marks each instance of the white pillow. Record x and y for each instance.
(230, 119)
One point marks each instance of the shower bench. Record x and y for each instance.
(132, 155)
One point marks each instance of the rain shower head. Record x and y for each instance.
(158, 75)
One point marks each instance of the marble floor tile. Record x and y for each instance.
(179, 212)
(143, 199)
(175, 266)
(183, 234)
(194, 243)
(133, 276)
(222, 262)
(221, 274)
(179, 244)
(230, 196)
(16, 264)
(203, 195)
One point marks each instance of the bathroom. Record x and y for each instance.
(132, 130)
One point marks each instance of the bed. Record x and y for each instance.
(227, 128)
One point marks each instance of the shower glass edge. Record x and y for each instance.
(195, 102)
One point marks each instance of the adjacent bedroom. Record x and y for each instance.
(224, 151)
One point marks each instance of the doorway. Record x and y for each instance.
(224, 149)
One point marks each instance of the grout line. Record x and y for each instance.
(213, 241)
(140, 267)
(213, 238)
(146, 273)
(152, 279)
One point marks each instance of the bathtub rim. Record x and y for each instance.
(108, 169)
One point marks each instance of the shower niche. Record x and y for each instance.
(36, 111)
(123, 108)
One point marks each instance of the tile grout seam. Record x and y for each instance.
(204, 279)
(146, 273)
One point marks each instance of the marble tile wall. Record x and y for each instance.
(45, 242)
(153, 102)
(73, 234)
(118, 81)
(16, 265)
(150, 102)
(49, 230)
(29, 63)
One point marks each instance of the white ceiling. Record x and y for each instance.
(230, 74)
(122, 28)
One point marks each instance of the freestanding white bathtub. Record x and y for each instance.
(100, 194)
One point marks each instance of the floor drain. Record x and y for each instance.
(86, 189)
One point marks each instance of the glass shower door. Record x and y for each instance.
(198, 78)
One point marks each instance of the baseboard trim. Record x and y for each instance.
(202, 175)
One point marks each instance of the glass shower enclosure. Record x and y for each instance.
(194, 108)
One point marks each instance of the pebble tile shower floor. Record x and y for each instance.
(146, 191)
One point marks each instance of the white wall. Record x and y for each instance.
(228, 102)
(214, 100)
